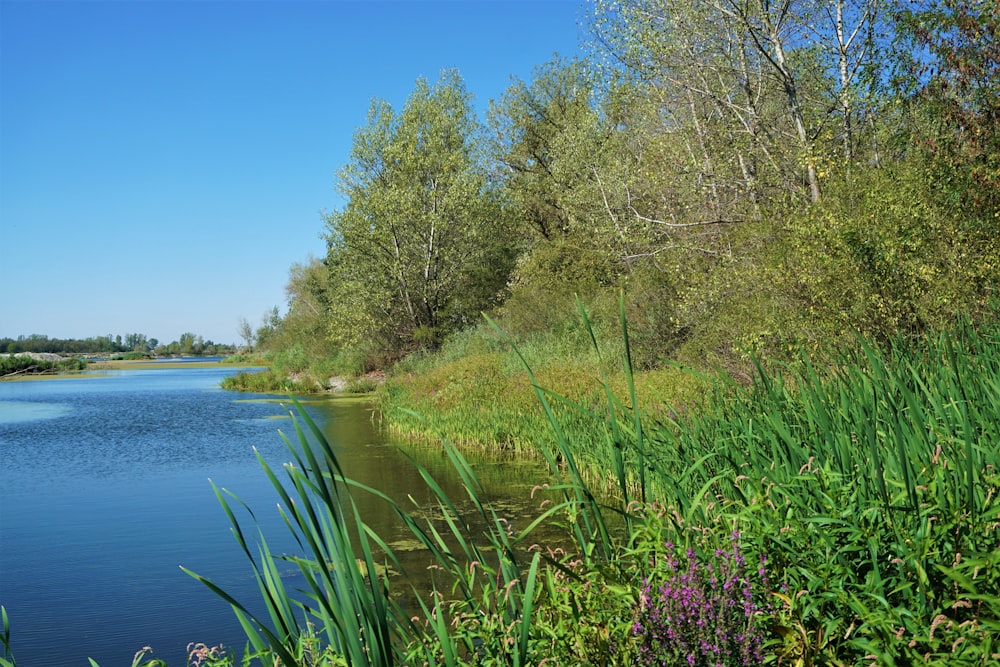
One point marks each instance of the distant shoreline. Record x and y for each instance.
(145, 364)
(96, 368)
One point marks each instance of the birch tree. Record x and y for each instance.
(853, 27)
(748, 84)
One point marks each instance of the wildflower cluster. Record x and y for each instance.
(700, 613)
(203, 655)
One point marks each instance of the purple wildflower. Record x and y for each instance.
(702, 614)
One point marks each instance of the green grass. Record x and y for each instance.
(269, 381)
(477, 394)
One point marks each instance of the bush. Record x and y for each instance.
(25, 365)
(268, 382)
(883, 256)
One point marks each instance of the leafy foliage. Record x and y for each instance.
(420, 224)
(952, 81)
(752, 176)
(19, 364)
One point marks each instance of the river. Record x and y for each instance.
(104, 492)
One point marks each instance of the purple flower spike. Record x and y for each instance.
(701, 612)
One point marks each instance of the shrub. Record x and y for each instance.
(23, 364)
(291, 359)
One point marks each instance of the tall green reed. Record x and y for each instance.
(874, 485)
(7, 659)
(344, 595)
(346, 567)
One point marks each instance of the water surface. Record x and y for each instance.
(104, 492)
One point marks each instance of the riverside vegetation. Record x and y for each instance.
(809, 517)
(16, 365)
(772, 437)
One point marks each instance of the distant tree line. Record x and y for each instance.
(110, 344)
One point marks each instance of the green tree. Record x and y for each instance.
(186, 343)
(247, 333)
(136, 342)
(547, 136)
(423, 235)
(948, 76)
(304, 325)
(556, 149)
(751, 89)
(270, 323)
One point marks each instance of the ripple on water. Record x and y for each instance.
(15, 412)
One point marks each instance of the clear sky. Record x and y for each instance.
(163, 164)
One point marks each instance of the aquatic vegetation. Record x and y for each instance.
(7, 659)
(22, 364)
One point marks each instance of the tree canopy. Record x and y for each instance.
(423, 244)
(744, 172)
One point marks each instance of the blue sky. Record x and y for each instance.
(163, 164)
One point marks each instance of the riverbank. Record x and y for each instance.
(844, 513)
(35, 364)
(862, 490)
(278, 380)
(836, 513)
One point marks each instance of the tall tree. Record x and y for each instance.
(748, 85)
(852, 36)
(540, 130)
(246, 332)
(423, 232)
